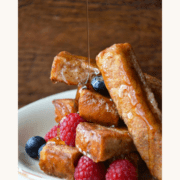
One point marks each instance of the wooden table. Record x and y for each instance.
(50, 26)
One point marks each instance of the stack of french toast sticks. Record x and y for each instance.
(126, 124)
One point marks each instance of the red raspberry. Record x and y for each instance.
(121, 169)
(68, 128)
(89, 170)
(52, 133)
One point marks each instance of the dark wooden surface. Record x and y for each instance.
(47, 27)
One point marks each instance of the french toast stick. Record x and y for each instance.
(64, 107)
(72, 69)
(134, 101)
(58, 159)
(96, 108)
(79, 89)
(100, 143)
(156, 87)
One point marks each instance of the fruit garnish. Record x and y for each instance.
(98, 85)
(121, 169)
(39, 150)
(89, 170)
(33, 145)
(52, 133)
(68, 128)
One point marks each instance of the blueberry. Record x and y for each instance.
(98, 85)
(33, 144)
(40, 149)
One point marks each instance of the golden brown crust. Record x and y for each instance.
(64, 107)
(97, 109)
(134, 101)
(72, 69)
(78, 94)
(80, 87)
(58, 159)
(101, 143)
(56, 140)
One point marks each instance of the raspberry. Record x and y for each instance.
(89, 170)
(52, 133)
(68, 128)
(121, 170)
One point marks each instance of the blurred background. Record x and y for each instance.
(47, 27)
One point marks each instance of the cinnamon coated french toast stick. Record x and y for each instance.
(134, 101)
(96, 108)
(58, 159)
(101, 143)
(64, 107)
(72, 69)
(156, 87)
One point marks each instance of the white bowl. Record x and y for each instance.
(36, 119)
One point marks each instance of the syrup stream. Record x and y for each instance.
(88, 46)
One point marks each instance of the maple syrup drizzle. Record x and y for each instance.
(88, 46)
